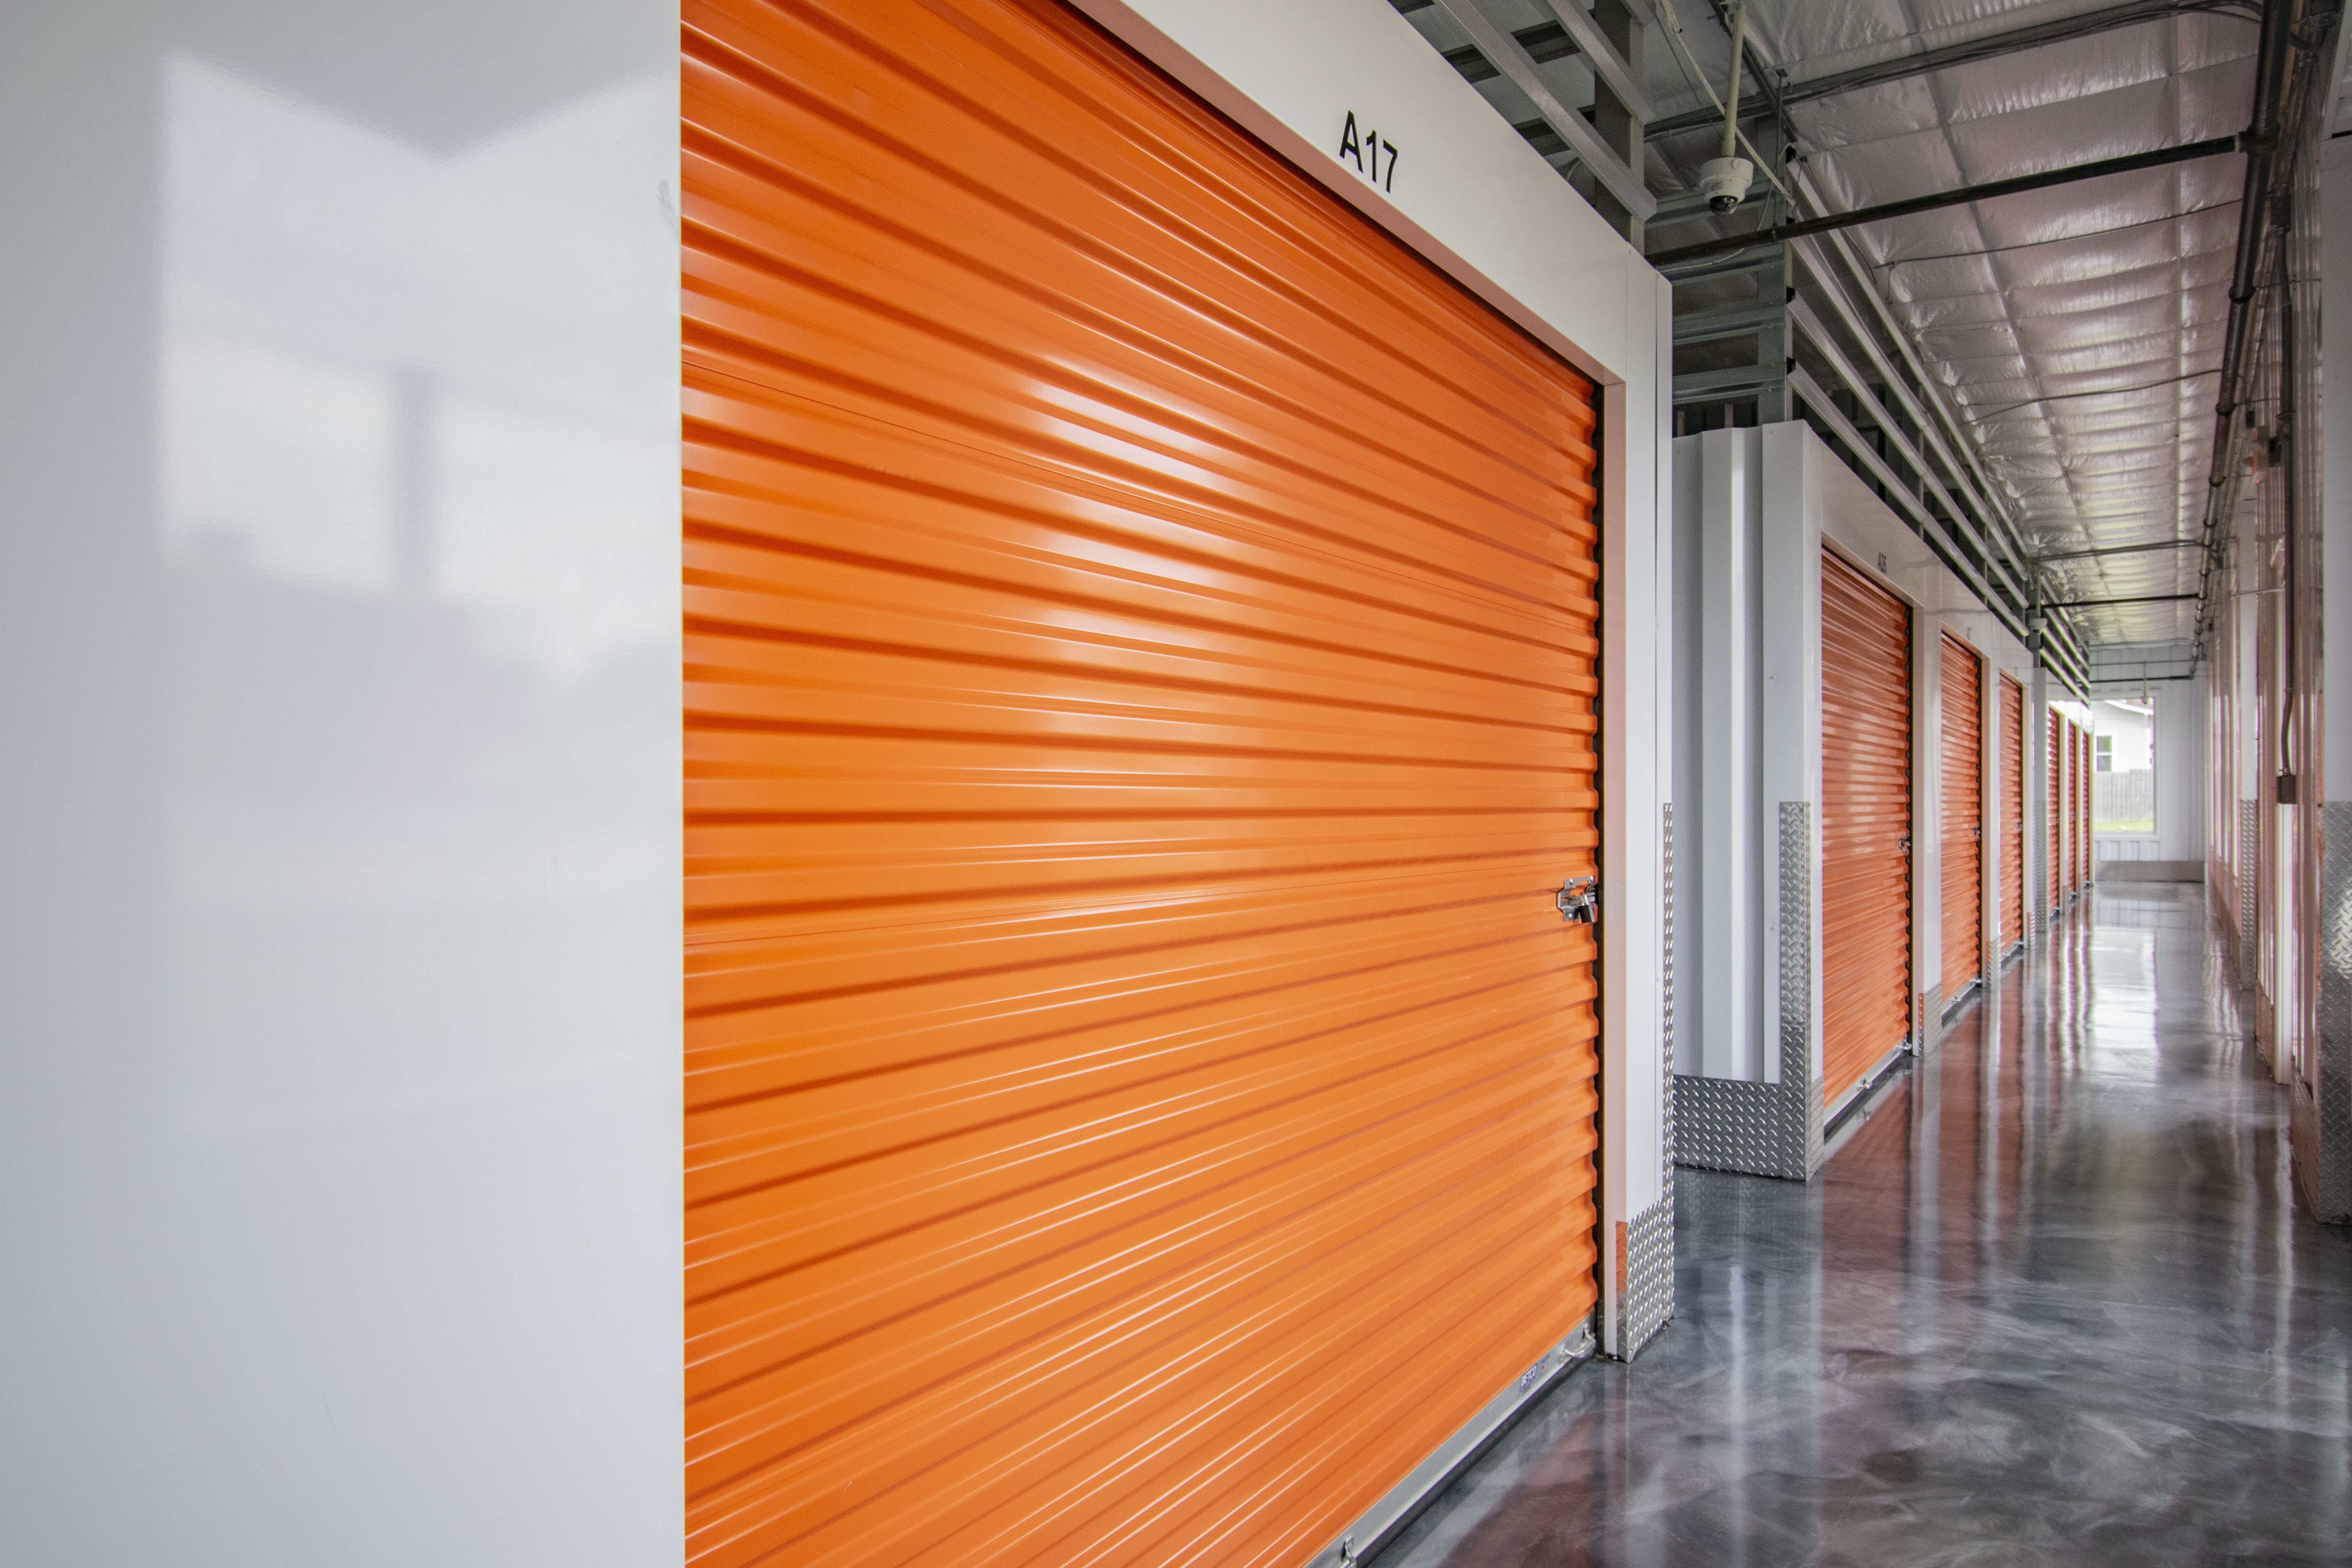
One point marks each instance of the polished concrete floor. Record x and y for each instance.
(2053, 1303)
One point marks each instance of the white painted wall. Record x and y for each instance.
(2179, 754)
(339, 1088)
(1790, 595)
(1721, 831)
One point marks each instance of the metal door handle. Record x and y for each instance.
(1580, 900)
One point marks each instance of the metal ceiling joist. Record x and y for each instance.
(1725, 386)
(1707, 325)
(2059, 647)
(1729, 267)
(1993, 47)
(1997, 541)
(2002, 592)
(1506, 54)
(1923, 521)
(1603, 57)
(1963, 448)
(1668, 260)
(2119, 550)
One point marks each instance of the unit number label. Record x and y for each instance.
(1371, 154)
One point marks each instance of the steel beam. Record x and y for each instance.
(1603, 57)
(1728, 385)
(1729, 322)
(2137, 599)
(2120, 550)
(2155, 159)
(1923, 522)
(1993, 546)
(1506, 54)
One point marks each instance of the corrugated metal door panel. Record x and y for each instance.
(2066, 788)
(1963, 845)
(1865, 824)
(2084, 753)
(2012, 812)
(1140, 694)
(2055, 815)
(2073, 806)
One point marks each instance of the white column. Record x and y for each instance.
(1731, 486)
(339, 812)
(2041, 846)
(1926, 823)
(1789, 745)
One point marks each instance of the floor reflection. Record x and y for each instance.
(2052, 1304)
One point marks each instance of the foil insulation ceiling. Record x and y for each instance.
(2077, 331)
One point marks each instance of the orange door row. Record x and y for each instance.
(1141, 697)
(2073, 765)
(2073, 861)
(1866, 821)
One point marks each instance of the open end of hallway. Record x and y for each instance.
(2053, 1302)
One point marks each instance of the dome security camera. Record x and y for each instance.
(1723, 182)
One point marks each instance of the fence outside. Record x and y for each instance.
(2123, 797)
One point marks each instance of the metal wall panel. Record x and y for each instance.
(1865, 824)
(1141, 700)
(1963, 814)
(2012, 812)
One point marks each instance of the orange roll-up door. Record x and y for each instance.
(1865, 824)
(2086, 754)
(1963, 840)
(2073, 795)
(2073, 807)
(1140, 659)
(2012, 813)
(2056, 814)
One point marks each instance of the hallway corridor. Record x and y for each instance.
(2051, 1303)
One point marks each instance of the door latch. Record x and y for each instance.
(1580, 900)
